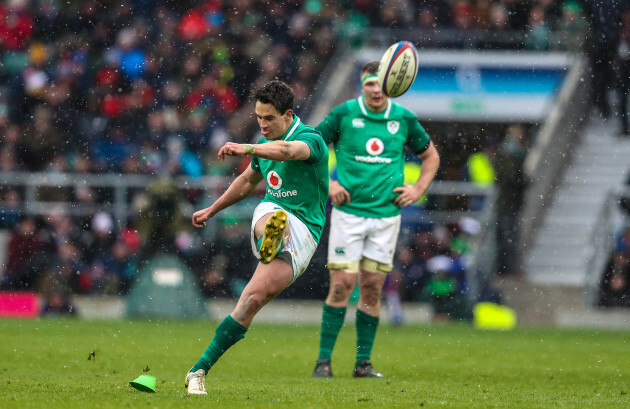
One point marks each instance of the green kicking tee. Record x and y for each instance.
(299, 186)
(370, 153)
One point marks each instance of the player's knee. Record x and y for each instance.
(339, 290)
(370, 293)
(370, 301)
(254, 302)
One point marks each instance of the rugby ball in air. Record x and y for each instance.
(398, 68)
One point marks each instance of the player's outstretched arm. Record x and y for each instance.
(412, 193)
(243, 186)
(275, 150)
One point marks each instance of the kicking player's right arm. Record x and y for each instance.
(242, 187)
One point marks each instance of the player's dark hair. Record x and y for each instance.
(276, 93)
(370, 67)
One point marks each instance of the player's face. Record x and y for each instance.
(273, 124)
(373, 95)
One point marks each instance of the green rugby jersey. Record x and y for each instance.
(299, 186)
(370, 153)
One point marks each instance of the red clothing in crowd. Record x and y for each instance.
(16, 28)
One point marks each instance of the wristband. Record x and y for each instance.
(249, 149)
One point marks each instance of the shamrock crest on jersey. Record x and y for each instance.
(274, 180)
(393, 126)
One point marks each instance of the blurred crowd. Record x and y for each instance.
(614, 288)
(545, 24)
(58, 253)
(430, 266)
(146, 86)
(155, 87)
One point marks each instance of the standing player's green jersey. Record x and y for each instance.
(299, 186)
(370, 153)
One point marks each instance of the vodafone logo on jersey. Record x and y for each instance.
(375, 146)
(274, 180)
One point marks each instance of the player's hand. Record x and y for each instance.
(408, 195)
(231, 149)
(200, 217)
(338, 194)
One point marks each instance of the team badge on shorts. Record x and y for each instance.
(375, 146)
(274, 180)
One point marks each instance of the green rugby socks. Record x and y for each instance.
(332, 321)
(366, 332)
(228, 333)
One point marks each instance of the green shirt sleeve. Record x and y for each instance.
(418, 139)
(329, 127)
(316, 144)
(254, 164)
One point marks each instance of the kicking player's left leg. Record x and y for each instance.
(267, 282)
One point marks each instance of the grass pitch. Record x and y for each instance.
(44, 363)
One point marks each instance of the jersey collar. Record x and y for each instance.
(292, 128)
(369, 113)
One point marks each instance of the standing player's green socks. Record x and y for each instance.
(228, 333)
(332, 321)
(366, 331)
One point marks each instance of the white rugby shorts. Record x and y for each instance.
(301, 245)
(353, 239)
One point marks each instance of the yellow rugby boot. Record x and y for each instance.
(271, 242)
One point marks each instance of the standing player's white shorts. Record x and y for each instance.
(301, 246)
(362, 242)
